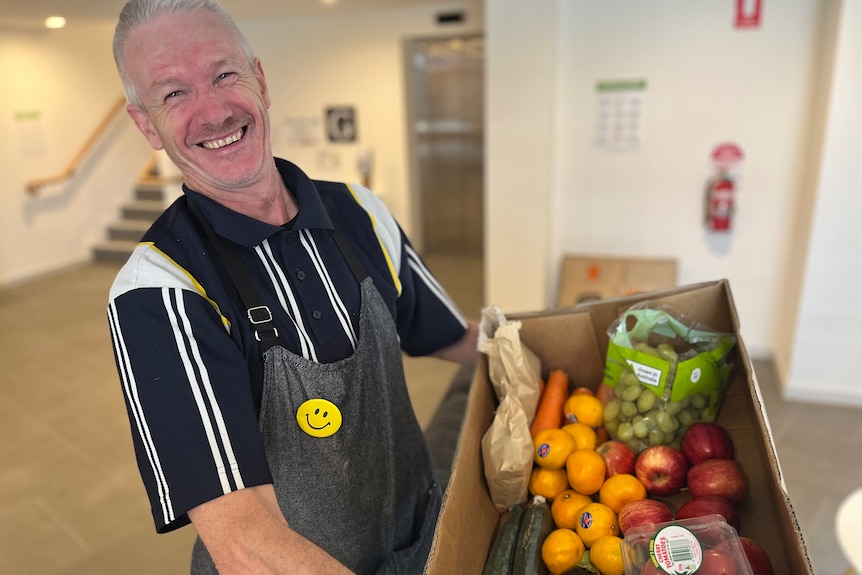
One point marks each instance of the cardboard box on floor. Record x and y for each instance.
(575, 339)
(589, 278)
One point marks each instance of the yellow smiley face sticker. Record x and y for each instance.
(318, 417)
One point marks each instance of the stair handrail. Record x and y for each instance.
(33, 186)
(149, 174)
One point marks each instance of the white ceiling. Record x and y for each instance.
(30, 14)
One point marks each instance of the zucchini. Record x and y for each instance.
(537, 523)
(502, 553)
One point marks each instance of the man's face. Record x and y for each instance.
(203, 102)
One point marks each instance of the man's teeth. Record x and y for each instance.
(215, 145)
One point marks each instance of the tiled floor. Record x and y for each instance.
(71, 502)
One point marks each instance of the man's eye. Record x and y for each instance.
(173, 94)
(224, 75)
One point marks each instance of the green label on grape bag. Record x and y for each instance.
(652, 371)
(696, 375)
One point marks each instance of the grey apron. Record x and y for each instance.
(366, 493)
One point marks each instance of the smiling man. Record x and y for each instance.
(258, 328)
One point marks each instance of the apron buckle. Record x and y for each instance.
(259, 314)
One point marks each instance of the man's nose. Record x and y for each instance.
(212, 107)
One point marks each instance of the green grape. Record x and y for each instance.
(646, 401)
(665, 422)
(628, 410)
(632, 392)
(644, 347)
(707, 415)
(625, 432)
(674, 407)
(641, 429)
(698, 401)
(667, 352)
(612, 426)
(686, 417)
(656, 437)
(612, 410)
(628, 378)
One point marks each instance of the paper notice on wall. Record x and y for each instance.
(621, 107)
(31, 133)
(302, 132)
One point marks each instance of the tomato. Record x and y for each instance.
(716, 563)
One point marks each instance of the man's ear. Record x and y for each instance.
(261, 79)
(142, 121)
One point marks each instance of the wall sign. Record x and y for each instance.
(748, 13)
(341, 123)
(621, 108)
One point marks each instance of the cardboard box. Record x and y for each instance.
(590, 278)
(575, 339)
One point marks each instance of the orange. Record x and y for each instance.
(596, 520)
(585, 436)
(547, 482)
(586, 409)
(620, 489)
(566, 508)
(606, 555)
(585, 470)
(551, 447)
(562, 551)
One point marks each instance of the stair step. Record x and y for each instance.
(114, 250)
(128, 230)
(147, 192)
(143, 210)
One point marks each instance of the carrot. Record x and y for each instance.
(549, 413)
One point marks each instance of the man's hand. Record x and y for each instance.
(246, 533)
(465, 349)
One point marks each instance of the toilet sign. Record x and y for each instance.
(341, 124)
(748, 13)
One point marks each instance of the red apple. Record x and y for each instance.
(643, 512)
(757, 557)
(662, 469)
(717, 563)
(721, 477)
(619, 458)
(709, 505)
(704, 441)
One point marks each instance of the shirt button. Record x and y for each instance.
(316, 314)
(300, 275)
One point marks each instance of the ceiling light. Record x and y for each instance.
(328, 2)
(55, 22)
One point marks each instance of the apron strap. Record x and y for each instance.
(347, 251)
(258, 314)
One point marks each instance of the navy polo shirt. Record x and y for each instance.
(188, 361)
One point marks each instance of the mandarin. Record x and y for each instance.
(619, 489)
(562, 551)
(586, 409)
(596, 520)
(585, 470)
(547, 482)
(566, 508)
(551, 448)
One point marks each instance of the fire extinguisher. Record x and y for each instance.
(719, 203)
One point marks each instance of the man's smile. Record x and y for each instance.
(221, 143)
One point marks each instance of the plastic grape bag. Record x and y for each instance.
(665, 375)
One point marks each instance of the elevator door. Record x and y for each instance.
(447, 112)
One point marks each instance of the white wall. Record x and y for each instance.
(358, 60)
(67, 77)
(706, 83)
(828, 335)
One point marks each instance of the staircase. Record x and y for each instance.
(137, 216)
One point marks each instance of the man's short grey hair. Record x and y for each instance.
(137, 12)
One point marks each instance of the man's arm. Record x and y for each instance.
(465, 349)
(246, 533)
